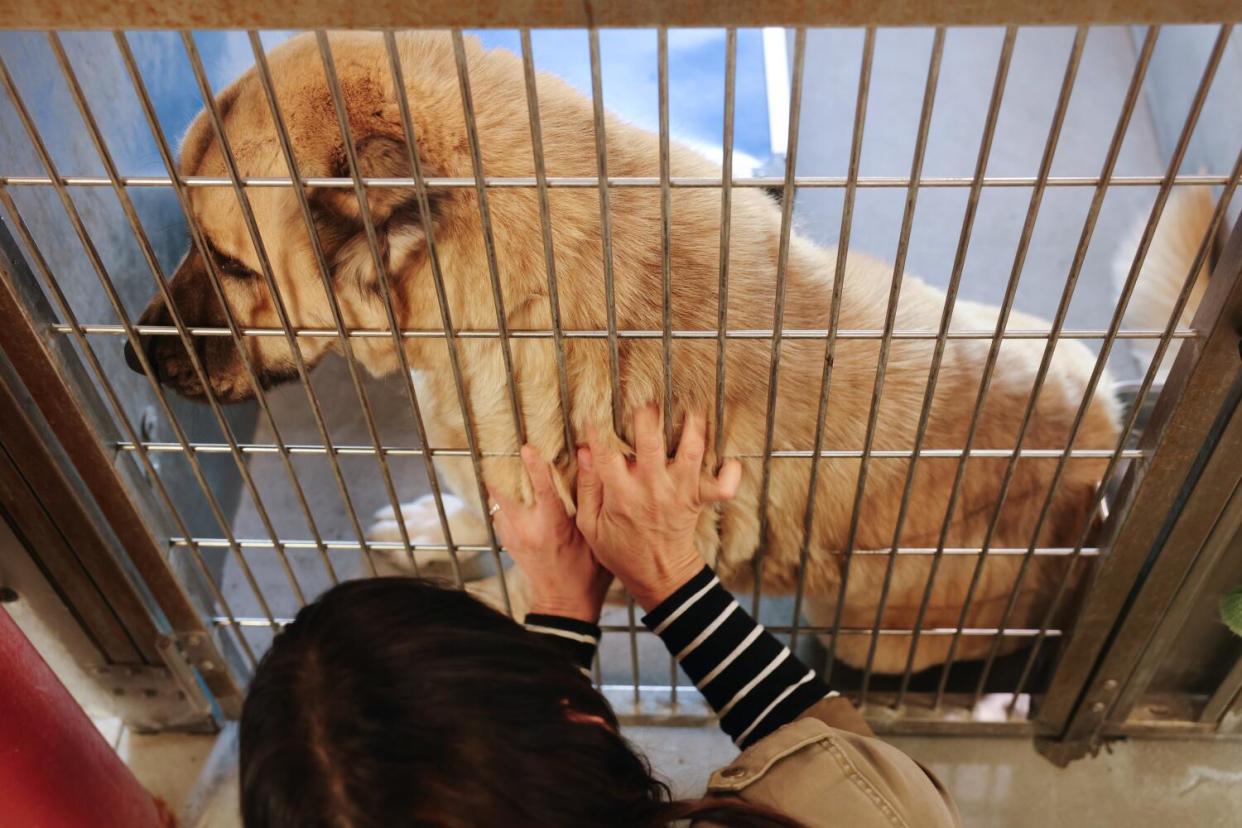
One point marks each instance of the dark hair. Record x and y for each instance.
(400, 702)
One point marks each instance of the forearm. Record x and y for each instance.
(754, 683)
(577, 639)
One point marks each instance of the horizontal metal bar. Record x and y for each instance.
(348, 14)
(1179, 730)
(261, 543)
(589, 181)
(780, 454)
(658, 704)
(251, 621)
(917, 717)
(747, 333)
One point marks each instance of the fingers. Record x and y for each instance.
(608, 463)
(590, 493)
(540, 474)
(689, 460)
(508, 510)
(724, 486)
(505, 504)
(649, 439)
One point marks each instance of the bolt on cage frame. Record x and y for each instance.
(1173, 502)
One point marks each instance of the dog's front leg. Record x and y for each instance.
(463, 511)
(423, 527)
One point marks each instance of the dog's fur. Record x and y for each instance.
(1186, 218)
(730, 536)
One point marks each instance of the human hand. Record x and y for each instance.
(565, 578)
(639, 518)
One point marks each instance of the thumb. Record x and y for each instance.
(724, 486)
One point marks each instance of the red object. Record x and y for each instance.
(55, 767)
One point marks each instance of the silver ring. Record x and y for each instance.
(495, 508)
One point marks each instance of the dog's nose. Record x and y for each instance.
(148, 346)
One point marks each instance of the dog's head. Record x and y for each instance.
(224, 268)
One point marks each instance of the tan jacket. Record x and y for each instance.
(827, 768)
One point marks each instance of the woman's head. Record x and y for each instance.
(397, 701)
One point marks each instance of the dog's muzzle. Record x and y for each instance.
(148, 347)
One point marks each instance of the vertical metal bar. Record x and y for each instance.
(489, 241)
(726, 220)
(446, 318)
(666, 231)
(886, 338)
(933, 375)
(605, 224)
(834, 316)
(989, 366)
(610, 294)
(347, 349)
(545, 224)
(778, 311)
(1050, 147)
(673, 681)
(1227, 692)
(633, 625)
(119, 308)
(1145, 387)
(66, 312)
(1179, 152)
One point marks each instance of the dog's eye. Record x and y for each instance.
(231, 267)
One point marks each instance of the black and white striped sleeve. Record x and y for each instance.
(578, 640)
(754, 683)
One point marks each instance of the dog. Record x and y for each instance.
(1006, 587)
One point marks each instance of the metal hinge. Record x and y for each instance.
(185, 654)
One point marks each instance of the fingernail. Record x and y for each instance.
(584, 458)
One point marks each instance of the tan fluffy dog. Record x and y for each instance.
(730, 537)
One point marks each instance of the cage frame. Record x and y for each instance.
(1096, 683)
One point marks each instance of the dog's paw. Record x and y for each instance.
(422, 527)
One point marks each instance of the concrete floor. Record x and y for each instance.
(1002, 781)
(995, 781)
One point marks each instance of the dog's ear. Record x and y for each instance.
(379, 156)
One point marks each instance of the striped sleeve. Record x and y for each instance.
(754, 683)
(578, 640)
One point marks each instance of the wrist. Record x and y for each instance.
(579, 609)
(669, 575)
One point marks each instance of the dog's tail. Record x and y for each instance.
(1186, 218)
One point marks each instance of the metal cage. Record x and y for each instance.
(161, 598)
